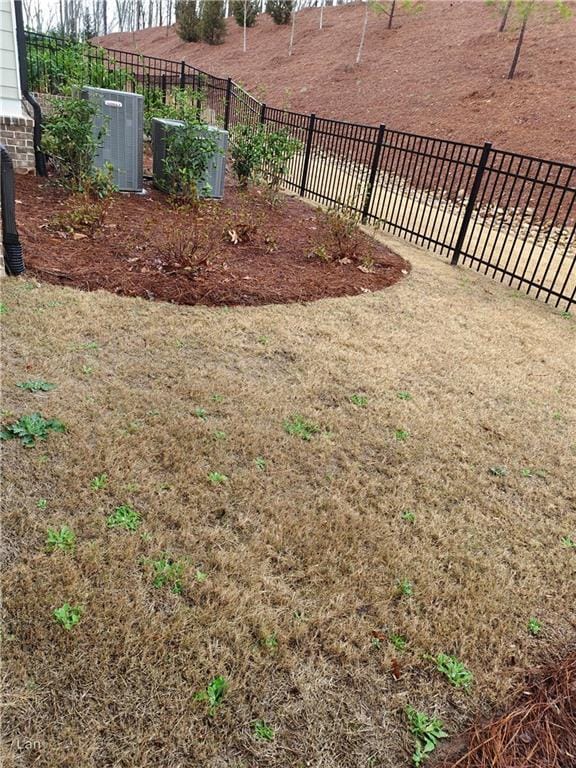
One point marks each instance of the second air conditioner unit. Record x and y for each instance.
(213, 182)
(121, 115)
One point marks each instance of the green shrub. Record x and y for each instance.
(213, 24)
(257, 152)
(251, 7)
(280, 10)
(187, 21)
(71, 145)
(188, 152)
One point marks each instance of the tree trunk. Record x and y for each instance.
(391, 14)
(518, 47)
(244, 30)
(363, 36)
(105, 16)
(322, 4)
(505, 16)
(292, 33)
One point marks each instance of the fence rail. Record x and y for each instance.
(508, 215)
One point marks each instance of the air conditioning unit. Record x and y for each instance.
(214, 179)
(121, 114)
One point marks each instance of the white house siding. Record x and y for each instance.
(10, 97)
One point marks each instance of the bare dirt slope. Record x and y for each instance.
(441, 72)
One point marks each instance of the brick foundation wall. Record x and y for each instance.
(17, 135)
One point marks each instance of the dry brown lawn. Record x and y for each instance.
(302, 558)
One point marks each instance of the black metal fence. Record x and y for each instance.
(510, 216)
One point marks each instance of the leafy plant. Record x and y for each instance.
(217, 478)
(454, 670)
(533, 473)
(42, 504)
(534, 627)
(200, 576)
(409, 516)
(279, 149)
(301, 428)
(213, 694)
(36, 385)
(339, 238)
(187, 21)
(398, 641)
(68, 615)
(245, 11)
(99, 482)
(81, 216)
(263, 731)
(212, 22)
(426, 732)
(401, 435)
(280, 10)
(200, 413)
(360, 400)
(270, 642)
(403, 395)
(168, 572)
(64, 539)
(3, 308)
(69, 141)
(31, 428)
(498, 471)
(261, 463)
(124, 517)
(188, 152)
(405, 588)
(247, 151)
(568, 542)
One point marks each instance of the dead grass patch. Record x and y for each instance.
(307, 548)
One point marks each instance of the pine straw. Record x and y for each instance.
(538, 731)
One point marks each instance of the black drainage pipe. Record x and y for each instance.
(13, 258)
(39, 157)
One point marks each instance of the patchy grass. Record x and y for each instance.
(309, 552)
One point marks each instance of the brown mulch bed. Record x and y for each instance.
(242, 250)
(441, 72)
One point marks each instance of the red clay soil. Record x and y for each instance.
(143, 246)
(441, 72)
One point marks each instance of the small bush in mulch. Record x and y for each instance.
(239, 250)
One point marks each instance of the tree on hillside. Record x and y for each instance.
(213, 24)
(280, 10)
(245, 13)
(293, 26)
(388, 7)
(187, 21)
(523, 11)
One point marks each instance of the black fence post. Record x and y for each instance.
(227, 103)
(164, 88)
(262, 114)
(182, 74)
(311, 123)
(471, 200)
(373, 171)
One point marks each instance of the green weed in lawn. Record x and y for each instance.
(405, 588)
(36, 385)
(260, 462)
(402, 395)
(401, 435)
(263, 731)
(498, 471)
(568, 542)
(398, 641)
(426, 731)
(200, 413)
(68, 615)
(64, 539)
(99, 482)
(534, 627)
(213, 694)
(533, 473)
(3, 308)
(219, 434)
(200, 576)
(87, 370)
(270, 642)
(30, 428)
(168, 572)
(217, 478)
(42, 503)
(409, 516)
(124, 517)
(360, 400)
(301, 428)
(454, 670)
(217, 398)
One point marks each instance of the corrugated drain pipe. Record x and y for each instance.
(39, 158)
(13, 258)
